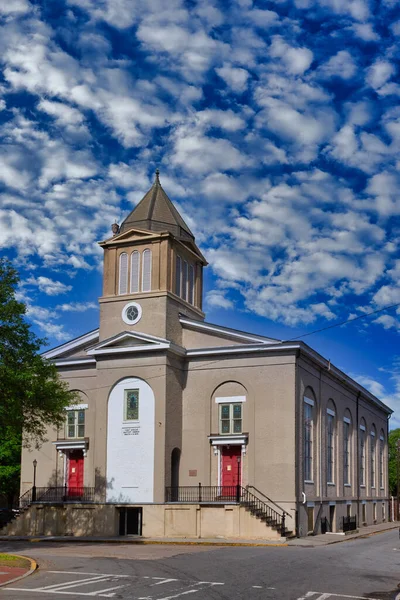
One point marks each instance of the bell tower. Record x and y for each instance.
(153, 271)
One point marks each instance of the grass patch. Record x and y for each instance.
(11, 560)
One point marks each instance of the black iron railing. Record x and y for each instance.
(271, 515)
(349, 523)
(203, 493)
(57, 495)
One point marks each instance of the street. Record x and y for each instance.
(362, 568)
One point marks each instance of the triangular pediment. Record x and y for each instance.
(75, 348)
(132, 235)
(129, 341)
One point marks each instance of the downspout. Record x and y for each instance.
(358, 459)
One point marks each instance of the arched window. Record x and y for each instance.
(146, 271)
(191, 285)
(178, 268)
(330, 442)
(362, 452)
(184, 280)
(347, 436)
(381, 459)
(308, 436)
(373, 455)
(135, 265)
(123, 273)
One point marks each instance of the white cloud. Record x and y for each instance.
(77, 307)
(202, 155)
(15, 8)
(217, 299)
(341, 65)
(366, 32)
(235, 77)
(49, 286)
(296, 60)
(379, 73)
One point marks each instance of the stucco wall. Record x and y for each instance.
(183, 521)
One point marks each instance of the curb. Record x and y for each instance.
(183, 542)
(33, 568)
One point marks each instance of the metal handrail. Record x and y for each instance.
(57, 495)
(231, 493)
(269, 500)
(263, 510)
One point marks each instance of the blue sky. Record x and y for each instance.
(276, 127)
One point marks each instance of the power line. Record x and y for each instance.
(374, 312)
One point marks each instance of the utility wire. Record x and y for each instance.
(374, 312)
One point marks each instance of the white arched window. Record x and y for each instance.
(362, 452)
(308, 437)
(146, 271)
(373, 457)
(178, 268)
(330, 442)
(346, 447)
(184, 280)
(123, 273)
(135, 265)
(381, 459)
(191, 285)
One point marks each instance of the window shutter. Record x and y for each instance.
(135, 256)
(123, 273)
(191, 285)
(178, 276)
(146, 276)
(184, 280)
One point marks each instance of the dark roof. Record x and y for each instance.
(155, 212)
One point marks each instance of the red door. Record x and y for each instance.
(75, 472)
(231, 465)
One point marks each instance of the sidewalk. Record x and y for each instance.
(333, 538)
(310, 541)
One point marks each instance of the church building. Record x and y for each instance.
(187, 428)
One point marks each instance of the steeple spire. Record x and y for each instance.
(156, 212)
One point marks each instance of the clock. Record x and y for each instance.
(131, 313)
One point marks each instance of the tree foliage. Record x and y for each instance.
(394, 456)
(33, 397)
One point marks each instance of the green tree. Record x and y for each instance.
(394, 435)
(32, 395)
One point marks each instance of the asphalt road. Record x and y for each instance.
(362, 568)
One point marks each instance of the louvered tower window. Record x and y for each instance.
(123, 273)
(146, 270)
(191, 285)
(178, 276)
(135, 264)
(184, 280)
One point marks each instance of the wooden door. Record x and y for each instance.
(231, 465)
(75, 472)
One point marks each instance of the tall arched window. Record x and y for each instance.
(347, 435)
(373, 455)
(146, 270)
(123, 273)
(330, 442)
(308, 437)
(184, 279)
(362, 452)
(191, 285)
(178, 268)
(381, 459)
(135, 266)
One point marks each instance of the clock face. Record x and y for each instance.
(131, 313)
